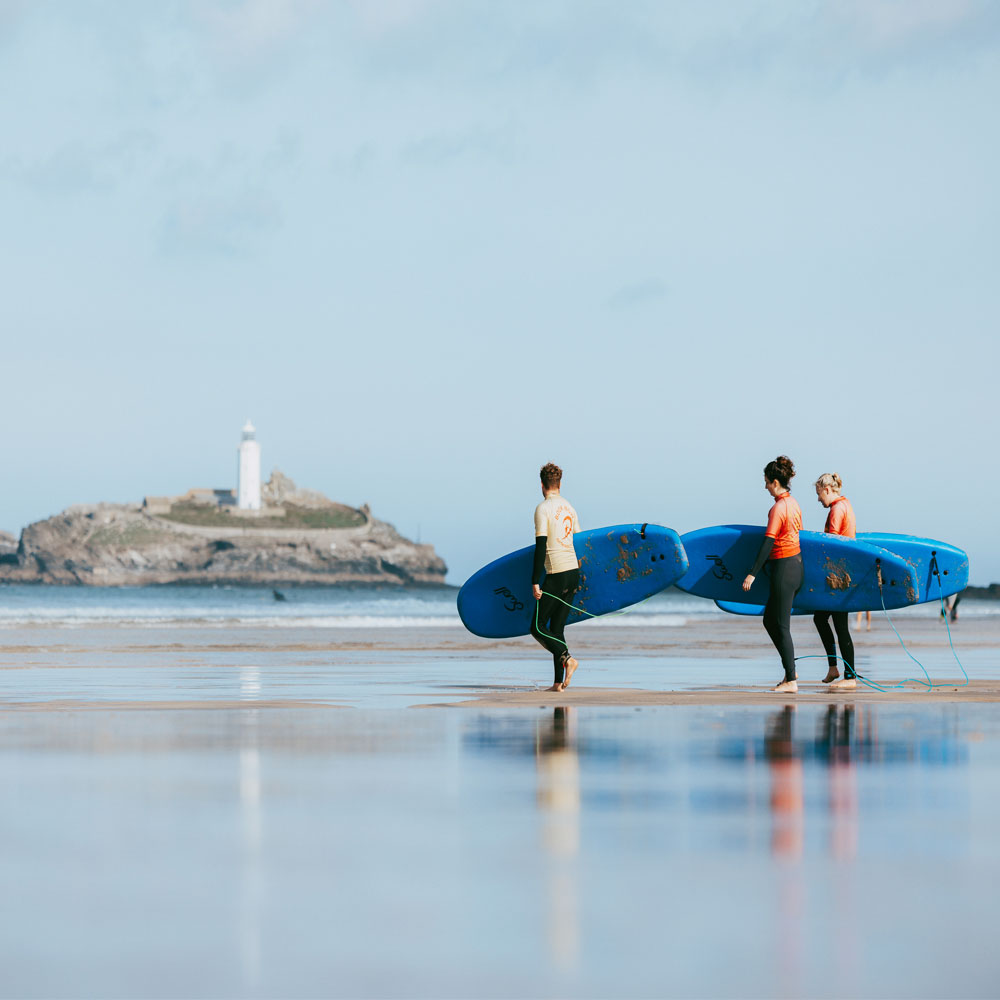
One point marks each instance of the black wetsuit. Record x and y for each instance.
(840, 623)
(786, 578)
(553, 609)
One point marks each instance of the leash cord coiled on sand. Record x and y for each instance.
(928, 683)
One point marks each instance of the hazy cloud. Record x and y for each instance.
(79, 167)
(251, 29)
(357, 162)
(380, 16)
(250, 42)
(71, 169)
(890, 22)
(714, 46)
(219, 225)
(637, 293)
(443, 147)
(11, 14)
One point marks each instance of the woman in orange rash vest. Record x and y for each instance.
(839, 521)
(780, 549)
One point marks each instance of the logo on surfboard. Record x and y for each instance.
(515, 604)
(719, 572)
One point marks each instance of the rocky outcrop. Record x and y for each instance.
(279, 490)
(8, 547)
(121, 544)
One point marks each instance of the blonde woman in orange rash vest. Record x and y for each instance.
(839, 521)
(780, 550)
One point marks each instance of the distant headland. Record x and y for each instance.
(297, 537)
(258, 534)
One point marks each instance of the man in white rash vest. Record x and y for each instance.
(555, 525)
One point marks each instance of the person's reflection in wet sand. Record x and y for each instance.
(834, 746)
(787, 824)
(837, 744)
(786, 785)
(558, 796)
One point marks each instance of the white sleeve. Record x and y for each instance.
(541, 523)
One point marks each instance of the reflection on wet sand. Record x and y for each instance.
(558, 795)
(842, 732)
(787, 805)
(845, 734)
(251, 902)
(586, 851)
(834, 738)
(786, 799)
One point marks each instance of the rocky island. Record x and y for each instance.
(297, 537)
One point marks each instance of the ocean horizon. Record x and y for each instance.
(324, 607)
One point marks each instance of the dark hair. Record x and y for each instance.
(781, 469)
(550, 474)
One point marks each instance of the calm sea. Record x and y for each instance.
(318, 607)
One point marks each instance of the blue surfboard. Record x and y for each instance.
(755, 609)
(750, 610)
(941, 569)
(619, 566)
(934, 562)
(840, 574)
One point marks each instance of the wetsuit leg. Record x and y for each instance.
(844, 640)
(822, 622)
(540, 631)
(786, 578)
(550, 621)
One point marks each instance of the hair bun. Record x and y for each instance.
(782, 469)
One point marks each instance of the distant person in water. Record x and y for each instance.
(780, 550)
(839, 521)
(952, 606)
(555, 525)
(868, 615)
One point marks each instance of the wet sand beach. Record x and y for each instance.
(717, 660)
(241, 810)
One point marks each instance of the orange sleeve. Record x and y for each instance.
(836, 519)
(775, 519)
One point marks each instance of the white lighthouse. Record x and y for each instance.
(248, 481)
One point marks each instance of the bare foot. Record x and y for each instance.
(570, 666)
(556, 687)
(787, 687)
(847, 684)
(831, 675)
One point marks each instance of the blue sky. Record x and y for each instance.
(428, 246)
